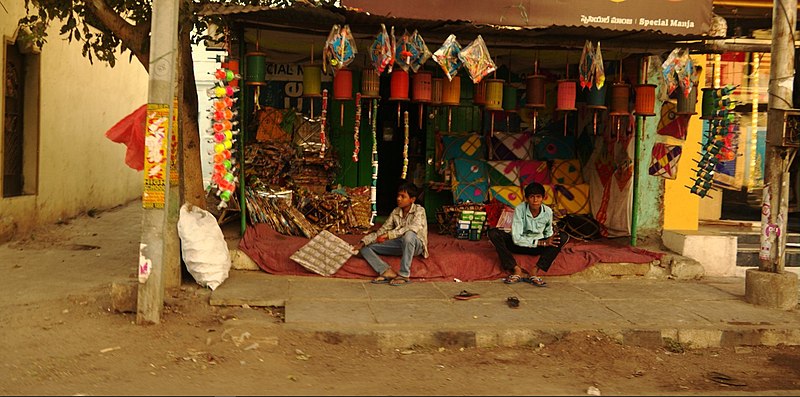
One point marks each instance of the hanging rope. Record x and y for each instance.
(405, 146)
(356, 142)
(373, 190)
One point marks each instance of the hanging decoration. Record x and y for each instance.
(340, 48)
(677, 71)
(382, 51)
(223, 176)
(424, 53)
(404, 173)
(356, 143)
(586, 65)
(373, 189)
(720, 142)
(476, 60)
(447, 56)
(323, 119)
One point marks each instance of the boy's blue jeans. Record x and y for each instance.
(407, 247)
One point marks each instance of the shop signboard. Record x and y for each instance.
(674, 17)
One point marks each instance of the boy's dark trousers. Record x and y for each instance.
(505, 247)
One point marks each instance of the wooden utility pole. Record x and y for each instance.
(775, 207)
(158, 130)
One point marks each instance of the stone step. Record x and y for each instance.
(755, 238)
(747, 256)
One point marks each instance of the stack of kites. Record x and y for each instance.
(340, 48)
(222, 132)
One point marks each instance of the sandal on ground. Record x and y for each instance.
(535, 281)
(382, 280)
(513, 302)
(399, 280)
(466, 295)
(512, 279)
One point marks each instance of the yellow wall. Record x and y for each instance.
(681, 208)
(78, 167)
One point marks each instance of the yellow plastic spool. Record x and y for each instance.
(494, 94)
(312, 81)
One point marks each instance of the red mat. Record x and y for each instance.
(449, 258)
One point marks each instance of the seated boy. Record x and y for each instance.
(531, 233)
(405, 233)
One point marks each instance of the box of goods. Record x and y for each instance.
(462, 231)
(467, 215)
(475, 234)
(479, 216)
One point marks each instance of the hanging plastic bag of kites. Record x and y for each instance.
(340, 48)
(447, 56)
(382, 51)
(405, 53)
(477, 60)
(424, 53)
(586, 65)
(599, 71)
(678, 70)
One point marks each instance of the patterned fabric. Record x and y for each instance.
(324, 254)
(511, 146)
(550, 197)
(566, 172)
(508, 195)
(555, 147)
(466, 170)
(664, 160)
(573, 199)
(475, 192)
(463, 146)
(533, 171)
(503, 173)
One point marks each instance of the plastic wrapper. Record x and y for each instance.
(597, 66)
(424, 53)
(678, 70)
(340, 48)
(405, 53)
(382, 50)
(477, 60)
(586, 65)
(447, 56)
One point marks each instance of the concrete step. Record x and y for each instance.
(755, 238)
(747, 256)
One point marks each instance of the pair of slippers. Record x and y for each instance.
(532, 280)
(393, 281)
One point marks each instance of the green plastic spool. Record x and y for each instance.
(596, 98)
(256, 73)
(509, 98)
(686, 104)
(708, 105)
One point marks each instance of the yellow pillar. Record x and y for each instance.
(682, 208)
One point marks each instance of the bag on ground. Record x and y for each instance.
(203, 246)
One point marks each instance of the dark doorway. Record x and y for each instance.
(13, 122)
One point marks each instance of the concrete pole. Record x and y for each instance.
(784, 16)
(163, 53)
(770, 285)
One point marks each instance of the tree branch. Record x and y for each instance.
(133, 36)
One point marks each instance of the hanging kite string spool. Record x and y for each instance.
(312, 84)
(405, 146)
(535, 92)
(451, 96)
(373, 190)
(437, 91)
(370, 87)
(421, 90)
(356, 138)
(494, 99)
(399, 89)
(342, 89)
(479, 96)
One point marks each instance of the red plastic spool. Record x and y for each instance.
(421, 88)
(620, 92)
(399, 86)
(567, 90)
(645, 100)
(343, 85)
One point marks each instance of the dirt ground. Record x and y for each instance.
(60, 337)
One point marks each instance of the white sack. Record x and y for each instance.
(203, 246)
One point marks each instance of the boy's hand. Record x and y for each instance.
(359, 246)
(381, 238)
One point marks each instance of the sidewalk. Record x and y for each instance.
(642, 312)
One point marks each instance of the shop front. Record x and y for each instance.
(591, 102)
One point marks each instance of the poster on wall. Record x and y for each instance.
(155, 159)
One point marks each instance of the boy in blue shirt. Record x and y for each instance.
(531, 233)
